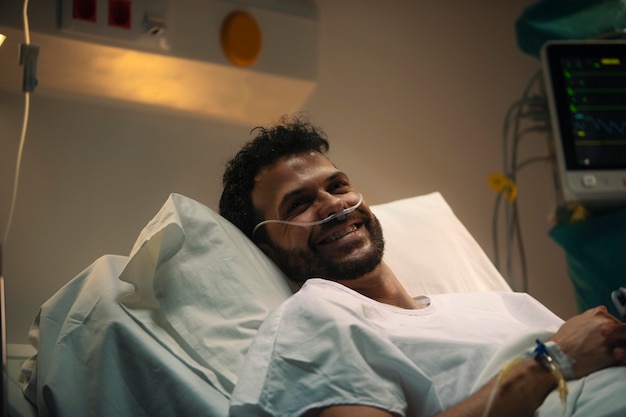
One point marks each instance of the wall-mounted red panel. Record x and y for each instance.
(84, 10)
(120, 13)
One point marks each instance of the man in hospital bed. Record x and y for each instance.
(353, 342)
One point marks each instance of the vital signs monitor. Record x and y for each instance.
(585, 83)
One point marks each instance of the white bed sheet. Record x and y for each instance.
(99, 361)
(18, 405)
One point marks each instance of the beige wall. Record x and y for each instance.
(413, 95)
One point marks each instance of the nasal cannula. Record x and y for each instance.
(340, 216)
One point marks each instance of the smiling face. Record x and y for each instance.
(308, 188)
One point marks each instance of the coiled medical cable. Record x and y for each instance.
(531, 107)
(341, 215)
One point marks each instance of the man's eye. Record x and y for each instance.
(297, 207)
(341, 186)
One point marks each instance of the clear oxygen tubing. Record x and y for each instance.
(340, 216)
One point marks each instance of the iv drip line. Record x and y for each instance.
(340, 216)
(5, 237)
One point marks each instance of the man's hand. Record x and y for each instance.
(616, 337)
(594, 340)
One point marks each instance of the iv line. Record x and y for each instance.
(16, 180)
(341, 215)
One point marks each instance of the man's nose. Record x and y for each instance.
(330, 204)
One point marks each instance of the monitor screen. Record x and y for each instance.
(585, 84)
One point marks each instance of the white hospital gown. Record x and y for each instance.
(329, 345)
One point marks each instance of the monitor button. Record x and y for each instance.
(589, 181)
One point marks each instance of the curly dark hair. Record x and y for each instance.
(292, 135)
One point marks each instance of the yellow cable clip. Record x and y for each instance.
(499, 183)
(578, 213)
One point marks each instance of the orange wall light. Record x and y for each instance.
(240, 38)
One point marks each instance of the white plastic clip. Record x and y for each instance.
(619, 299)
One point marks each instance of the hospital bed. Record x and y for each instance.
(163, 330)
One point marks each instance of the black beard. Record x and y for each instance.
(300, 265)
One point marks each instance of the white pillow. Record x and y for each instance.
(205, 278)
(430, 250)
(208, 281)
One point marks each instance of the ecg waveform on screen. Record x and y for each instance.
(588, 127)
(597, 101)
(592, 103)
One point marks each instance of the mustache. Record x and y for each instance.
(356, 215)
